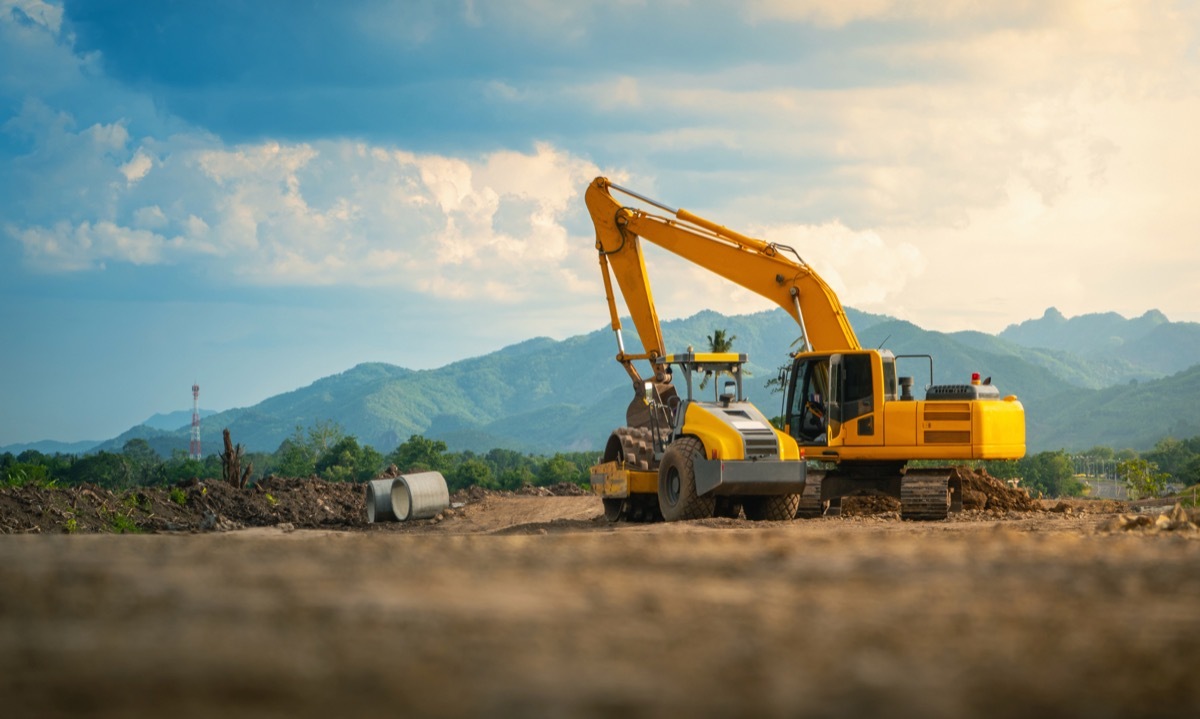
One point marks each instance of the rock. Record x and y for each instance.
(1125, 522)
(1175, 520)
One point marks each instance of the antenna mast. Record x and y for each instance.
(194, 447)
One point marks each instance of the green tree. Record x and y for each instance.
(1003, 468)
(108, 470)
(516, 477)
(471, 472)
(323, 435)
(181, 467)
(418, 454)
(559, 469)
(1142, 478)
(1172, 456)
(348, 461)
(299, 455)
(139, 450)
(31, 456)
(295, 456)
(33, 467)
(778, 383)
(145, 466)
(19, 474)
(1051, 474)
(719, 342)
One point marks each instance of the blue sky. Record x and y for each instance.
(256, 194)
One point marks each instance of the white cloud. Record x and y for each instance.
(137, 167)
(837, 13)
(324, 213)
(1048, 138)
(149, 218)
(39, 12)
(865, 271)
(88, 246)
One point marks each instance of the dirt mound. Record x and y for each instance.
(562, 489)
(299, 502)
(213, 505)
(474, 494)
(192, 506)
(314, 503)
(983, 491)
(872, 502)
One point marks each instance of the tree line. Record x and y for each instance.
(1062, 474)
(325, 451)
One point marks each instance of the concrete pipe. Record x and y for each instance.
(421, 496)
(382, 497)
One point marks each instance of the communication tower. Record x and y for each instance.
(194, 447)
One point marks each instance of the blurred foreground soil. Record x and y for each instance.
(527, 605)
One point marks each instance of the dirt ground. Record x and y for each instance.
(532, 605)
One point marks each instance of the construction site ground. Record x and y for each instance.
(281, 601)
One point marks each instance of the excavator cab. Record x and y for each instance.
(808, 414)
(849, 406)
(834, 396)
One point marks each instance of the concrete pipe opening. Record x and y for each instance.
(382, 498)
(423, 495)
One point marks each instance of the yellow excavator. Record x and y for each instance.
(846, 407)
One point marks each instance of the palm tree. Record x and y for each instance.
(719, 342)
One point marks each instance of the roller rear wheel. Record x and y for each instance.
(677, 498)
(777, 508)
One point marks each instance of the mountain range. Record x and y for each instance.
(1098, 379)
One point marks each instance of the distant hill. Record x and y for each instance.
(1148, 346)
(1133, 415)
(174, 420)
(543, 395)
(50, 446)
(162, 422)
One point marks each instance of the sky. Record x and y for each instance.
(255, 194)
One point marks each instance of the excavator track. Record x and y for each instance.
(925, 494)
(811, 504)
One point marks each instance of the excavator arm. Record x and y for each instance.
(757, 265)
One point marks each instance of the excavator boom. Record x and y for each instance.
(762, 267)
